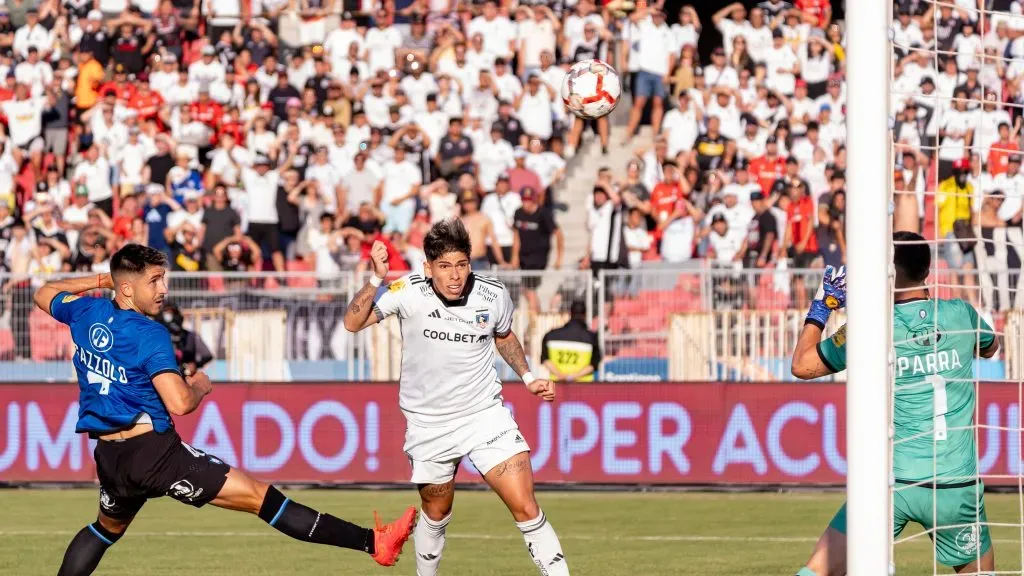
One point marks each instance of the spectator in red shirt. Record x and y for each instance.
(206, 110)
(521, 177)
(146, 102)
(1001, 150)
(801, 242)
(820, 11)
(770, 167)
(122, 87)
(666, 196)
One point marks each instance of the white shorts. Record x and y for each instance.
(489, 438)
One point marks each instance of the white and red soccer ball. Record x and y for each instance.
(591, 89)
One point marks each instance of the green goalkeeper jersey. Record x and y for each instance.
(936, 342)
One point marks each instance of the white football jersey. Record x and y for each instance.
(448, 346)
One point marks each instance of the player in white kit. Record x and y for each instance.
(452, 320)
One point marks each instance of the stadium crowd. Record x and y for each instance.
(239, 135)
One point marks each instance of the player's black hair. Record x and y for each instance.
(135, 258)
(912, 259)
(447, 236)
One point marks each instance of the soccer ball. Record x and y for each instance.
(591, 89)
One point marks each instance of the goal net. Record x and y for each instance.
(955, 115)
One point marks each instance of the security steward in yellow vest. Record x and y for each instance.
(571, 353)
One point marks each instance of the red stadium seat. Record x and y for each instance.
(304, 280)
(49, 339)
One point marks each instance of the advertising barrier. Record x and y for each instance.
(636, 433)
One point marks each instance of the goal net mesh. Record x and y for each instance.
(956, 107)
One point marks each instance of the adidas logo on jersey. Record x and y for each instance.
(435, 314)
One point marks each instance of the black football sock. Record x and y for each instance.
(304, 523)
(86, 550)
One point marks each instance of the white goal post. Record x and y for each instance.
(869, 306)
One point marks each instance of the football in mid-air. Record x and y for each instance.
(591, 89)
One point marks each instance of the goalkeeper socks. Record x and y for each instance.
(544, 547)
(86, 550)
(304, 523)
(806, 572)
(429, 540)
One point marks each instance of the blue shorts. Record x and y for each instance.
(648, 85)
(954, 255)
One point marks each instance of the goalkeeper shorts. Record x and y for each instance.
(962, 509)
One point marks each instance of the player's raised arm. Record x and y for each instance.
(73, 286)
(360, 312)
(813, 358)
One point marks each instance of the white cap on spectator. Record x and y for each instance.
(95, 15)
(191, 195)
(154, 189)
(520, 152)
(209, 50)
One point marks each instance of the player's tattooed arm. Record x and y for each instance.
(360, 314)
(512, 351)
(807, 362)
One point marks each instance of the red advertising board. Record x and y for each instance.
(647, 433)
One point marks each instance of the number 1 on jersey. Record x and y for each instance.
(939, 405)
(104, 383)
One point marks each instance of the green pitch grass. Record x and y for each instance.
(614, 534)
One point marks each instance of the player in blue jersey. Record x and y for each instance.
(129, 386)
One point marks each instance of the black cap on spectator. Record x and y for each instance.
(718, 217)
(1014, 158)
(718, 51)
(432, 97)
(756, 195)
(742, 164)
(777, 33)
(497, 127)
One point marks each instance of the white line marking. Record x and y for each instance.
(584, 537)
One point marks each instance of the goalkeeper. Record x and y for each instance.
(934, 459)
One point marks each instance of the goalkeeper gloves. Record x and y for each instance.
(831, 296)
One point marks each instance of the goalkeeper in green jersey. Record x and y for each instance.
(935, 465)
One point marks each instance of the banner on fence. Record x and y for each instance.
(650, 433)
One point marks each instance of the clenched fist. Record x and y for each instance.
(379, 257)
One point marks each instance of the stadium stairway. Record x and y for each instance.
(573, 194)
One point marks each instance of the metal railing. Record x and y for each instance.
(683, 323)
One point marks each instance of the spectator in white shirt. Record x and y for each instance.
(94, 172)
(500, 206)
(719, 73)
(656, 60)
(537, 35)
(731, 21)
(533, 107)
(260, 184)
(498, 32)
(398, 192)
(32, 34)
(681, 125)
(782, 64)
(493, 157)
(381, 43)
